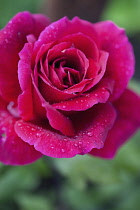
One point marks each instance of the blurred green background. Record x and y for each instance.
(83, 182)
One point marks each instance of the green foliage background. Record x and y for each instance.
(83, 182)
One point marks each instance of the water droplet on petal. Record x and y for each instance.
(52, 27)
(19, 124)
(6, 40)
(62, 150)
(75, 145)
(3, 137)
(90, 133)
(38, 134)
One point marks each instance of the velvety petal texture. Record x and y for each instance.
(91, 128)
(127, 122)
(13, 150)
(121, 61)
(12, 40)
(63, 89)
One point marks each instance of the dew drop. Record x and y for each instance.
(52, 27)
(90, 133)
(52, 147)
(63, 51)
(6, 40)
(65, 139)
(96, 94)
(75, 145)
(19, 124)
(3, 137)
(63, 106)
(62, 150)
(38, 134)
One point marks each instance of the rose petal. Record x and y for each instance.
(100, 94)
(56, 119)
(38, 108)
(128, 121)
(13, 150)
(41, 21)
(102, 63)
(64, 27)
(12, 39)
(92, 127)
(83, 43)
(120, 65)
(24, 76)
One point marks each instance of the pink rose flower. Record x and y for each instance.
(63, 89)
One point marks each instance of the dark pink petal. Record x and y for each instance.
(120, 65)
(13, 150)
(64, 27)
(12, 40)
(91, 129)
(56, 119)
(52, 94)
(102, 63)
(128, 121)
(24, 76)
(99, 95)
(37, 106)
(41, 21)
(83, 43)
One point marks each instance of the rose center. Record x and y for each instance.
(63, 74)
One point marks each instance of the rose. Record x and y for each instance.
(63, 89)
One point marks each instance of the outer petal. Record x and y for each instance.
(13, 150)
(91, 129)
(128, 121)
(64, 27)
(121, 60)
(12, 39)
